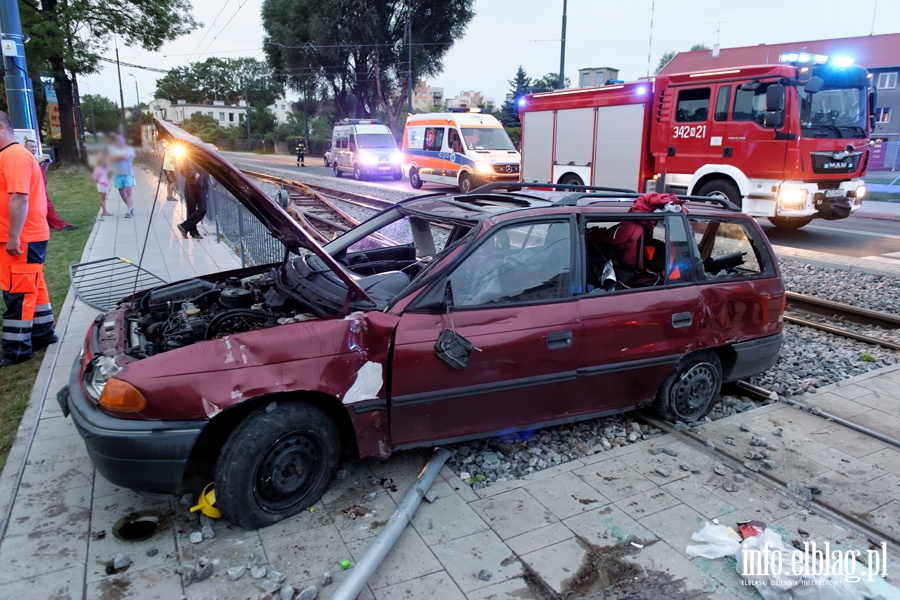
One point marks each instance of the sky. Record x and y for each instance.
(504, 35)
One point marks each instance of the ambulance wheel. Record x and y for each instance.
(719, 188)
(414, 179)
(790, 222)
(337, 170)
(358, 174)
(397, 176)
(465, 183)
(571, 179)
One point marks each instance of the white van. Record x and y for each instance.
(465, 149)
(365, 148)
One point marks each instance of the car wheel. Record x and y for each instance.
(327, 164)
(571, 180)
(358, 174)
(465, 183)
(337, 170)
(719, 188)
(414, 179)
(689, 392)
(276, 464)
(790, 222)
(398, 175)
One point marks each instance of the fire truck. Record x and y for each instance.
(787, 141)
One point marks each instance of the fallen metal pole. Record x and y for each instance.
(382, 545)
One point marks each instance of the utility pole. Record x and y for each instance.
(650, 43)
(562, 51)
(305, 114)
(409, 78)
(137, 108)
(121, 93)
(247, 103)
(19, 91)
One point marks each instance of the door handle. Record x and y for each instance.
(682, 319)
(727, 151)
(559, 339)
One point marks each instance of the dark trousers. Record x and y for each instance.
(300, 156)
(195, 197)
(28, 317)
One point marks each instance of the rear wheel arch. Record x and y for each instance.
(570, 178)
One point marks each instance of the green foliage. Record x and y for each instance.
(867, 358)
(665, 59)
(356, 47)
(548, 83)
(206, 128)
(99, 113)
(221, 79)
(519, 86)
(697, 47)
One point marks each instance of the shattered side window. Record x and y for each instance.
(727, 249)
(523, 263)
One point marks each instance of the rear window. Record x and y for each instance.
(729, 250)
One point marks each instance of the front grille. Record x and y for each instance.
(506, 168)
(825, 162)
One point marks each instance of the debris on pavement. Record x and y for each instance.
(354, 512)
(309, 593)
(662, 472)
(485, 575)
(257, 572)
(287, 592)
(327, 579)
(719, 469)
(235, 573)
(751, 528)
(431, 496)
(193, 573)
(345, 564)
(196, 537)
(207, 532)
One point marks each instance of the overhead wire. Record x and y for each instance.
(208, 29)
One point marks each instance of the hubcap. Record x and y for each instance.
(286, 470)
(693, 391)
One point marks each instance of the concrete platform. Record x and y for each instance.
(570, 529)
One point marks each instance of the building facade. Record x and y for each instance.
(227, 115)
(471, 99)
(594, 76)
(427, 98)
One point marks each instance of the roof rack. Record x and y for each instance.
(572, 199)
(518, 185)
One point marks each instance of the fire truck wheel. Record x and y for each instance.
(790, 222)
(720, 188)
(465, 183)
(414, 179)
(571, 180)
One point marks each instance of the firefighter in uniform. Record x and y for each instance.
(28, 320)
(301, 150)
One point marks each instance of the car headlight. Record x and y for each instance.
(792, 199)
(484, 167)
(103, 369)
(396, 157)
(366, 157)
(860, 191)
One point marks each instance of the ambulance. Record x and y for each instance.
(466, 149)
(364, 147)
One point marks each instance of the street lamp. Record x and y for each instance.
(136, 93)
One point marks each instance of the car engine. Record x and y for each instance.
(195, 310)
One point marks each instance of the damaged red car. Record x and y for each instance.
(444, 318)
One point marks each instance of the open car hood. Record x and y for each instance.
(281, 225)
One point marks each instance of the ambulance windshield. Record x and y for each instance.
(375, 140)
(487, 138)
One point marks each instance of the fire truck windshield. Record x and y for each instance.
(833, 112)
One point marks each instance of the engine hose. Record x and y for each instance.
(212, 328)
(204, 295)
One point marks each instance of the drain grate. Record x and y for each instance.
(102, 283)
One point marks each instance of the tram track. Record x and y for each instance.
(802, 304)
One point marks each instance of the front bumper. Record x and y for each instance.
(753, 357)
(829, 204)
(148, 456)
(485, 178)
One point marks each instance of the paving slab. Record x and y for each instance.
(513, 513)
(465, 557)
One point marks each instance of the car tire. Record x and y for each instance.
(465, 183)
(397, 176)
(689, 392)
(327, 164)
(720, 188)
(276, 463)
(790, 222)
(571, 179)
(337, 170)
(414, 180)
(358, 173)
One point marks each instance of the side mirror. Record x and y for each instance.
(814, 84)
(775, 98)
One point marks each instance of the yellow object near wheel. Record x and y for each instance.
(207, 502)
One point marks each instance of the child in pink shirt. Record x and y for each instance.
(101, 178)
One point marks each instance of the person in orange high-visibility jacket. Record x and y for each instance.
(28, 320)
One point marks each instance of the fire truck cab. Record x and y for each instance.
(787, 141)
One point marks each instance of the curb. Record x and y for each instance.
(875, 216)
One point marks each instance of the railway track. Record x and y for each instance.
(316, 209)
(809, 305)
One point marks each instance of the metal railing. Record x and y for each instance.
(234, 224)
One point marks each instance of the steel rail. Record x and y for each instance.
(820, 306)
(843, 332)
(350, 197)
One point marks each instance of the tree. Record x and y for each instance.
(519, 86)
(665, 59)
(548, 83)
(225, 79)
(68, 36)
(205, 127)
(358, 48)
(99, 113)
(698, 47)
